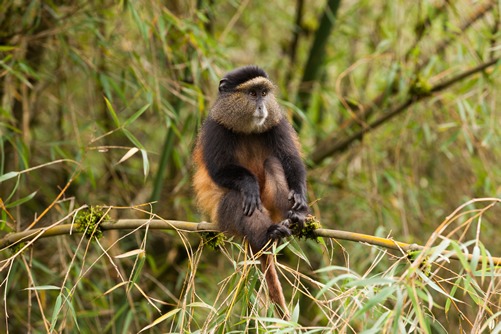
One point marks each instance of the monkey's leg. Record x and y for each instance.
(275, 192)
(277, 197)
(258, 228)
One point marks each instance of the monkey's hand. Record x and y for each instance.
(299, 210)
(251, 201)
(298, 201)
(279, 231)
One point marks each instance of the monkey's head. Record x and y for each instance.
(246, 102)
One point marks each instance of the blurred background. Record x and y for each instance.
(396, 104)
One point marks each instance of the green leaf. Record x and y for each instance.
(370, 282)
(334, 281)
(295, 313)
(73, 315)
(136, 115)
(132, 138)
(202, 305)
(4, 48)
(454, 288)
(55, 312)
(294, 248)
(435, 286)
(438, 251)
(136, 271)
(21, 200)
(475, 257)
(17, 74)
(399, 302)
(416, 304)
(112, 112)
(378, 299)
(44, 287)
(8, 175)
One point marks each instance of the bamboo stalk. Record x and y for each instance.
(159, 224)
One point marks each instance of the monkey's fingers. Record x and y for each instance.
(250, 204)
(299, 201)
(299, 206)
(286, 223)
(296, 218)
(278, 231)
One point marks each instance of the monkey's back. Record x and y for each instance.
(208, 194)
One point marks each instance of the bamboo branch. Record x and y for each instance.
(365, 111)
(477, 14)
(332, 145)
(159, 224)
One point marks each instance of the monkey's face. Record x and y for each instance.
(259, 109)
(258, 99)
(250, 108)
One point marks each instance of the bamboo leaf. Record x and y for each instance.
(21, 200)
(435, 286)
(136, 270)
(130, 253)
(55, 312)
(43, 288)
(136, 115)
(115, 287)
(127, 155)
(475, 257)
(146, 163)
(294, 248)
(378, 299)
(112, 112)
(132, 138)
(160, 319)
(8, 176)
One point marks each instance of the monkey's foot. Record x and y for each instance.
(279, 231)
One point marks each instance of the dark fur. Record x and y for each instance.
(251, 180)
(219, 150)
(236, 77)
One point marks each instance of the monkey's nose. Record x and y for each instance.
(259, 113)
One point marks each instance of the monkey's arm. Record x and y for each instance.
(286, 149)
(218, 153)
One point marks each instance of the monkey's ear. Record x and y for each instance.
(223, 85)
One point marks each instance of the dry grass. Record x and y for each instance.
(111, 285)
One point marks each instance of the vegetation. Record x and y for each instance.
(397, 107)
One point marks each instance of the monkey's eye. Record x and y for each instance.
(264, 93)
(252, 93)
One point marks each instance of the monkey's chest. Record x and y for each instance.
(252, 154)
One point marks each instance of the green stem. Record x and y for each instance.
(162, 166)
(317, 56)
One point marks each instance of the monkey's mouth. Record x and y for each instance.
(259, 120)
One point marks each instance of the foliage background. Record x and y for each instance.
(106, 98)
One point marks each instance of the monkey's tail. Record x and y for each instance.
(274, 286)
